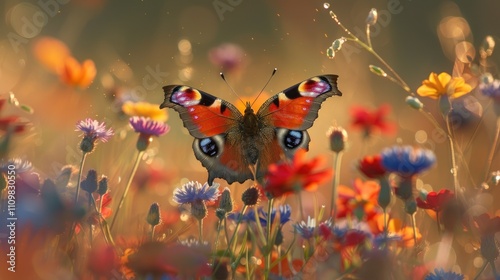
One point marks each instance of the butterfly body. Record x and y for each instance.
(232, 145)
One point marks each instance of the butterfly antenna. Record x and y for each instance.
(270, 77)
(232, 90)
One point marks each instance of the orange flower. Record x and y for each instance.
(51, 52)
(144, 109)
(56, 56)
(443, 84)
(359, 201)
(76, 74)
(290, 177)
(395, 227)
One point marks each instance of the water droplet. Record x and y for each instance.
(326, 5)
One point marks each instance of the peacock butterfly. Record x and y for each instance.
(237, 147)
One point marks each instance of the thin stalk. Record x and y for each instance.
(200, 230)
(368, 37)
(481, 271)
(438, 223)
(127, 188)
(90, 223)
(494, 269)
(336, 181)
(492, 151)
(77, 193)
(456, 184)
(414, 227)
(152, 233)
(301, 207)
(269, 246)
(226, 232)
(219, 225)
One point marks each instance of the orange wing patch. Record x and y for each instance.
(292, 112)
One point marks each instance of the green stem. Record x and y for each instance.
(269, 245)
(492, 151)
(200, 230)
(90, 223)
(152, 233)
(414, 227)
(336, 181)
(481, 271)
(368, 37)
(77, 193)
(127, 188)
(226, 232)
(219, 225)
(456, 184)
(438, 223)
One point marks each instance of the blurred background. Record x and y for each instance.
(140, 46)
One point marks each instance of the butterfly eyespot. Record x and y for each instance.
(293, 138)
(209, 147)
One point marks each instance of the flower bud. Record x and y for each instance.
(199, 209)
(330, 53)
(103, 186)
(279, 237)
(414, 102)
(410, 206)
(489, 248)
(384, 196)
(153, 217)
(377, 70)
(337, 44)
(90, 183)
(372, 17)
(338, 138)
(226, 202)
(220, 213)
(487, 47)
(143, 142)
(87, 145)
(250, 196)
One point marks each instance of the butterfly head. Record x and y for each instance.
(248, 108)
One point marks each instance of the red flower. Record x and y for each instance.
(290, 177)
(372, 167)
(11, 122)
(103, 260)
(435, 200)
(486, 225)
(372, 121)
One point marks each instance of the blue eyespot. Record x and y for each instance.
(293, 138)
(209, 147)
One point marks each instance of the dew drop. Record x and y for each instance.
(326, 5)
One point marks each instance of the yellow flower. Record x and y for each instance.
(144, 109)
(443, 84)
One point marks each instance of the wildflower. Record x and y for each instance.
(306, 230)
(153, 217)
(407, 161)
(227, 56)
(194, 191)
(76, 74)
(51, 53)
(147, 128)
(359, 201)
(285, 213)
(92, 132)
(102, 188)
(440, 274)
(372, 121)
(443, 85)
(396, 231)
(435, 200)
(250, 196)
(338, 138)
(490, 87)
(144, 109)
(248, 217)
(286, 178)
(371, 166)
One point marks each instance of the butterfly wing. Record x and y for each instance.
(209, 120)
(203, 114)
(292, 112)
(297, 107)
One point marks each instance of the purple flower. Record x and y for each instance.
(285, 213)
(194, 191)
(407, 161)
(489, 86)
(306, 230)
(440, 274)
(148, 126)
(94, 130)
(249, 216)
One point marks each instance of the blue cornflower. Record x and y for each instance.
(407, 161)
(248, 217)
(382, 239)
(94, 130)
(20, 165)
(193, 191)
(285, 213)
(440, 274)
(306, 230)
(490, 87)
(148, 127)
